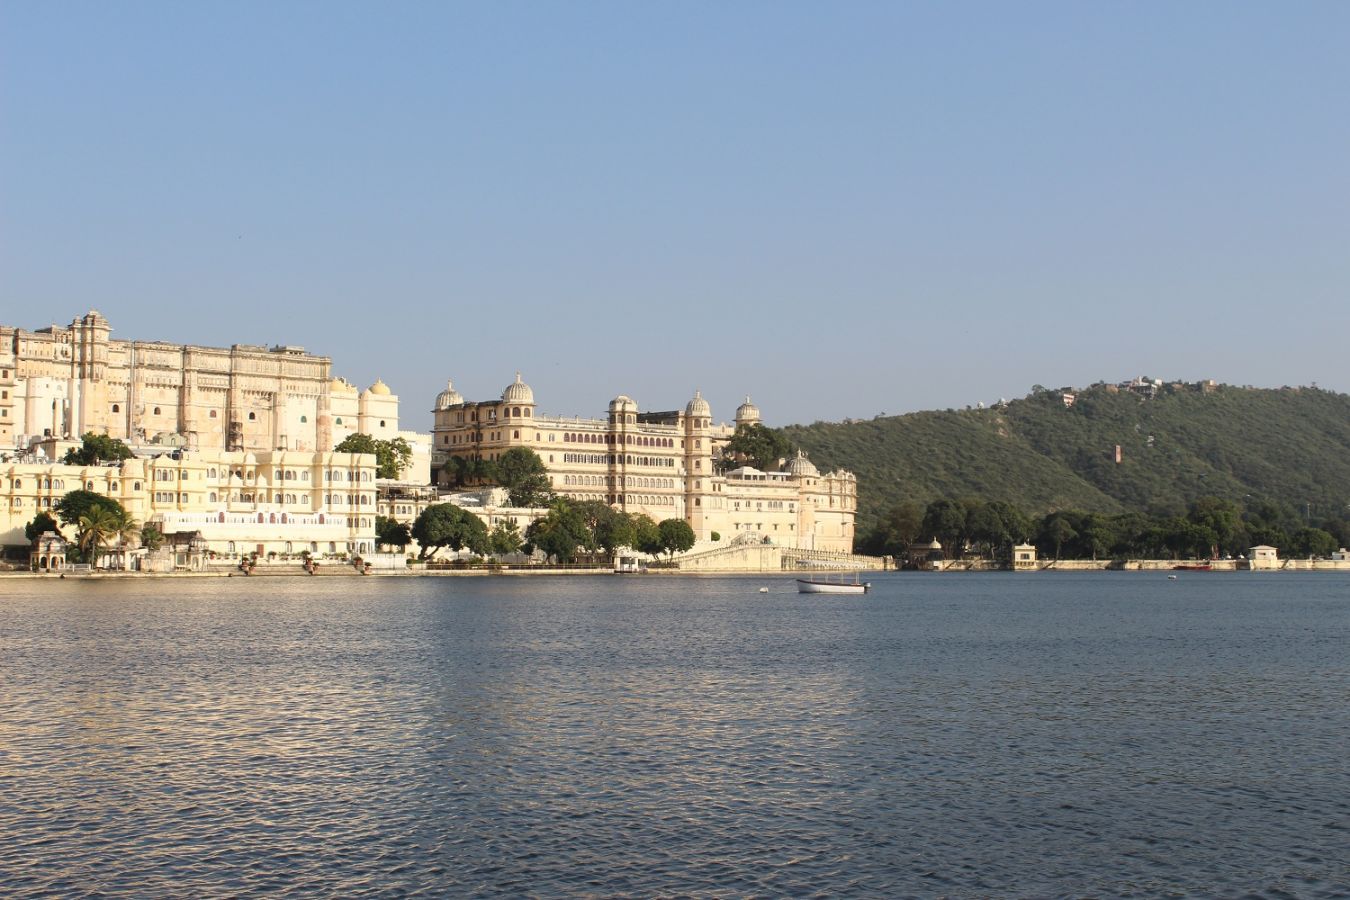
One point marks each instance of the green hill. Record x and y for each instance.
(1290, 445)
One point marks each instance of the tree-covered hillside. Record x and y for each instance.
(1291, 446)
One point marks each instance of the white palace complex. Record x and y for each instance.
(660, 464)
(62, 382)
(234, 444)
(234, 448)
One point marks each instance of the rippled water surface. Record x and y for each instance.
(965, 735)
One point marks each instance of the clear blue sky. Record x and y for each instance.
(841, 209)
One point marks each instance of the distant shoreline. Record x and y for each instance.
(1148, 566)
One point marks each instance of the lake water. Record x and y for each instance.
(962, 735)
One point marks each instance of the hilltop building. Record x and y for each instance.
(662, 464)
(62, 382)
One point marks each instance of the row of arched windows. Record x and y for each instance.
(637, 440)
(626, 481)
(56, 484)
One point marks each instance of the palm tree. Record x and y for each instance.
(96, 527)
(126, 530)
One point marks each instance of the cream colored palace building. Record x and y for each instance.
(282, 501)
(660, 464)
(235, 443)
(65, 381)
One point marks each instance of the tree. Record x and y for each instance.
(41, 524)
(561, 533)
(95, 449)
(391, 532)
(1055, 531)
(904, 523)
(945, 520)
(391, 456)
(1224, 519)
(125, 528)
(446, 525)
(646, 535)
(676, 536)
(76, 504)
(610, 528)
(462, 472)
(985, 526)
(1095, 535)
(617, 532)
(505, 538)
(1129, 535)
(151, 537)
(1182, 538)
(522, 473)
(97, 527)
(757, 445)
(1312, 542)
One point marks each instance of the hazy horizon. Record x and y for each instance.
(875, 208)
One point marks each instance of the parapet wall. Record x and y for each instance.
(747, 558)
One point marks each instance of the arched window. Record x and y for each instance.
(260, 518)
(156, 410)
(220, 517)
(213, 413)
(212, 496)
(116, 408)
(252, 417)
(304, 419)
(338, 420)
(382, 423)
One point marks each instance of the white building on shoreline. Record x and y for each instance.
(662, 464)
(282, 502)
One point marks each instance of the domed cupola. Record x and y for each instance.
(518, 392)
(449, 397)
(801, 467)
(747, 413)
(379, 388)
(698, 407)
(623, 403)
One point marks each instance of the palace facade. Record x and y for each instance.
(65, 381)
(664, 464)
(282, 501)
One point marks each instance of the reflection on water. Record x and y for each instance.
(961, 735)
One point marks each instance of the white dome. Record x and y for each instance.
(380, 388)
(698, 407)
(623, 403)
(747, 412)
(449, 397)
(800, 466)
(517, 392)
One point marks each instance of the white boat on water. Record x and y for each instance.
(824, 585)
